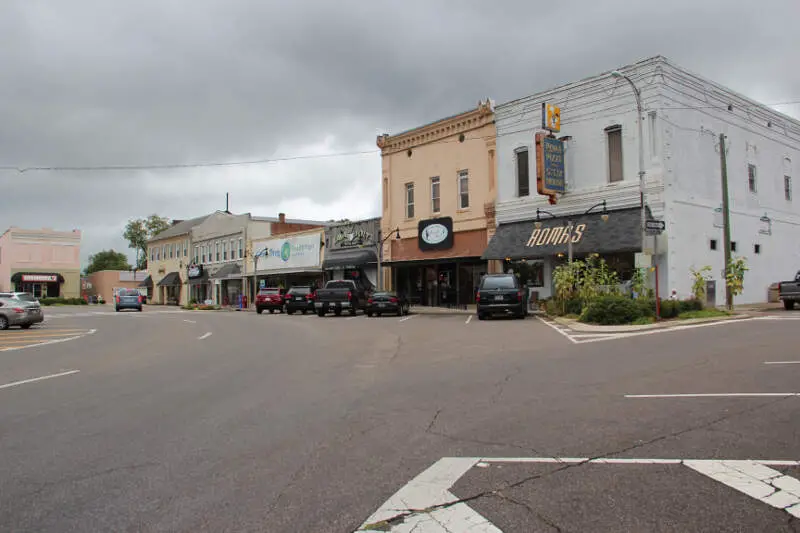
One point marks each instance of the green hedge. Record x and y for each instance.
(63, 301)
(611, 310)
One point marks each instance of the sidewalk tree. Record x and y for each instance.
(140, 230)
(107, 260)
(699, 279)
(734, 275)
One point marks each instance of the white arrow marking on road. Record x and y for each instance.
(204, 336)
(42, 378)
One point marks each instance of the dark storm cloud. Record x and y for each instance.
(132, 83)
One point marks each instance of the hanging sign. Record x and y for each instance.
(550, 175)
(551, 117)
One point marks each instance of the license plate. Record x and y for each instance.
(381, 305)
(299, 299)
(317, 304)
(498, 298)
(345, 304)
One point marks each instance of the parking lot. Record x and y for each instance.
(207, 421)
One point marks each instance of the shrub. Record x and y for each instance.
(62, 301)
(647, 306)
(690, 305)
(610, 310)
(669, 308)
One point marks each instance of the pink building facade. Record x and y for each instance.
(44, 262)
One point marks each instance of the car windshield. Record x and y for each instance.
(499, 282)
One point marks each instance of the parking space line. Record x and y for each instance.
(718, 395)
(204, 336)
(40, 378)
(407, 318)
(782, 362)
(469, 319)
(565, 334)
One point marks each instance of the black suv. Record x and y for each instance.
(501, 294)
(300, 299)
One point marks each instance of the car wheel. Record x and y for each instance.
(303, 311)
(289, 311)
(320, 313)
(788, 305)
(353, 311)
(379, 315)
(3, 322)
(481, 316)
(271, 311)
(338, 312)
(259, 310)
(26, 326)
(369, 314)
(117, 309)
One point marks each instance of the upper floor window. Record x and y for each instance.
(787, 188)
(463, 189)
(216, 251)
(523, 176)
(204, 253)
(614, 138)
(409, 200)
(241, 248)
(436, 201)
(233, 249)
(196, 254)
(171, 250)
(185, 248)
(751, 177)
(224, 251)
(152, 254)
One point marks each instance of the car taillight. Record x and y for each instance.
(478, 296)
(349, 295)
(393, 300)
(118, 300)
(18, 310)
(370, 300)
(519, 296)
(140, 298)
(309, 296)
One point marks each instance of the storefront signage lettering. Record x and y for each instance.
(194, 271)
(435, 234)
(292, 252)
(556, 235)
(550, 175)
(39, 278)
(352, 236)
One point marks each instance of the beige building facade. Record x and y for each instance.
(168, 257)
(439, 188)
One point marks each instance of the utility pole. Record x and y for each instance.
(726, 218)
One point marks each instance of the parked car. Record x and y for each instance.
(384, 303)
(270, 299)
(19, 309)
(128, 299)
(501, 294)
(338, 295)
(300, 299)
(789, 292)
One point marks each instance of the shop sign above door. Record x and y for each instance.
(194, 271)
(40, 278)
(435, 234)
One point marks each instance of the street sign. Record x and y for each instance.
(654, 227)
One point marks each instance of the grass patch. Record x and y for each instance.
(643, 321)
(704, 313)
(572, 316)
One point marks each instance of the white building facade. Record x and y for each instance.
(683, 115)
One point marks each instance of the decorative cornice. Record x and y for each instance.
(477, 118)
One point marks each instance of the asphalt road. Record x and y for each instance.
(218, 421)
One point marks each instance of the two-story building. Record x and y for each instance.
(351, 251)
(682, 117)
(438, 185)
(168, 259)
(43, 262)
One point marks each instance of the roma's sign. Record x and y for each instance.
(550, 175)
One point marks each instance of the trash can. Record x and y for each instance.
(773, 293)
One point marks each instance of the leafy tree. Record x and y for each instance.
(699, 279)
(734, 275)
(140, 230)
(107, 260)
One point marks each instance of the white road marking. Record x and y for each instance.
(312, 315)
(426, 505)
(782, 362)
(469, 319)
(204, 336)
(777, 318)
(190, 321)
(547, 322)
(42, 378)
(354, 317)
(717, 395)
(407, 318)
(45, 343)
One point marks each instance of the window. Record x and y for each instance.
(787, 188)
(241, 248)
(751, 177)
(651, 122)
(733, 246)
(757, 248)
(386, 193)
(185, 248)
(409, 200)
(196, 254)
(152, 254)
(171, 250)
(224, 251)
(712, 244)
(233, 249)
(523, 176)
(463, 189)
(435, 195)
(216, 251)
(614, 135)
(204, 253)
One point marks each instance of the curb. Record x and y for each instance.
(579, 326)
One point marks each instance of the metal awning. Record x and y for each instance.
(229, 271)
(349, 258)
(523, 240)
(37, 277)
(148, 282)
(173, 279)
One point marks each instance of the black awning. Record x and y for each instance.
(231, 270)
(148, 282)
(349, 258)
(37, 277)
(173, 279)
(202, 279)
(523, 240)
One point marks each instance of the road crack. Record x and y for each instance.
(532, 511)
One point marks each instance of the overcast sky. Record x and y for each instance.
(87, 83)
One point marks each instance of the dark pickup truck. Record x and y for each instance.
(789, 292)
(339, 295)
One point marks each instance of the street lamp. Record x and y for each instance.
(379, 244)
(617, 74)
(570, 225)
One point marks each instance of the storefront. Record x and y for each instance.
(146, 287)
(351, 251)
(41, 285)
(198, 284)
(170, 288)
(228, 284)
(532, 249)
(440, 267)
(292, 260)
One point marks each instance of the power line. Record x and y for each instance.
(180, 165)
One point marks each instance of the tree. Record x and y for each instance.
(734, 276)
(140, 230)
(107, 260)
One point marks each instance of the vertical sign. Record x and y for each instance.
(551, 117)
(550, 174)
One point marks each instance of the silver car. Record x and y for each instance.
(19, 309)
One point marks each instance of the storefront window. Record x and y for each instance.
(529, 272)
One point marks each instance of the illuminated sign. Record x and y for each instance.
(551, 117)
(550, 174)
